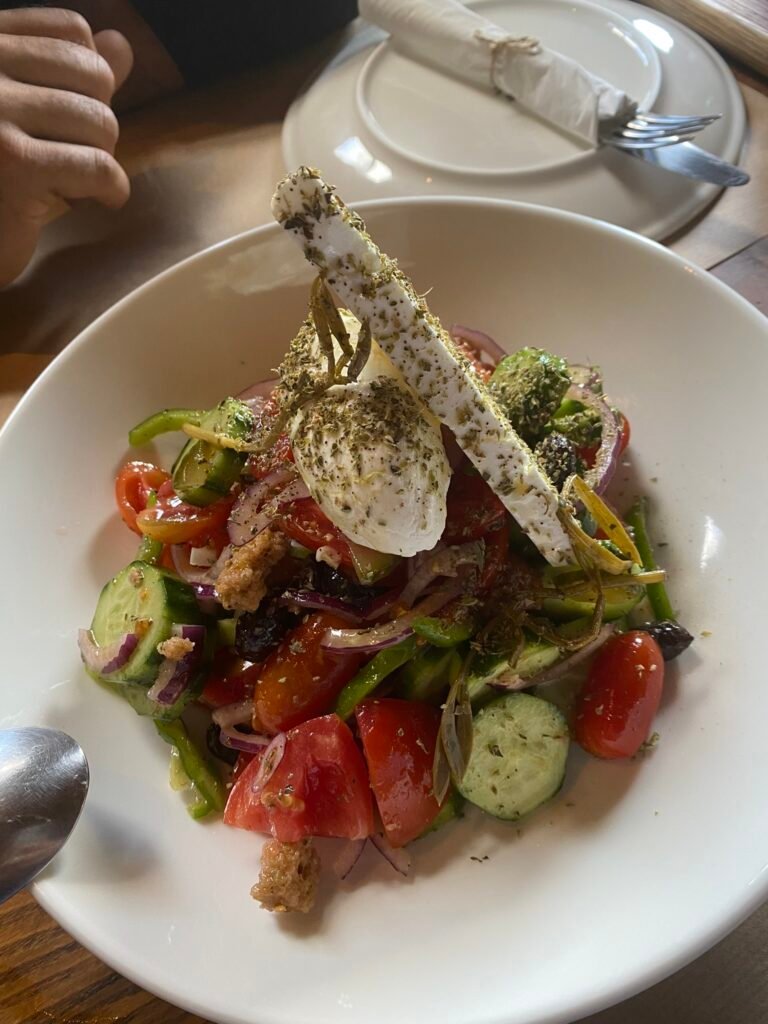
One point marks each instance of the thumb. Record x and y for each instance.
(117, 52)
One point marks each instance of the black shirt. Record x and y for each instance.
(210, 38)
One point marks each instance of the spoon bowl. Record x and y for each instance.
(43, 784)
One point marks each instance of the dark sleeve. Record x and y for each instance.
(210, 38)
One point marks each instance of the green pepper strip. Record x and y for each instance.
(163, 422)
(373, 674)
(195, 764)
(657, 592)
(442, 633)
(150, 550)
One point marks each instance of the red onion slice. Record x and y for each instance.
(257, 506)
(376, 638)
(109, 658)
(270, 759)
(249, 743)
(607, 457)
(253, 510)
(322, 602)
(239, 713)
(175, 677)
(399, 858)
(441, 562)
(347, 857)
(559, 669)
(484, 343)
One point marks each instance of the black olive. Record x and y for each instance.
(217, 748)
(671, 637)
(558, 458)
(257, 633)
(335, 584)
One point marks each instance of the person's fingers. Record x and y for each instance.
(38, 168)
(57, 65)
(62, 116)
(50, 22)
(117, 52)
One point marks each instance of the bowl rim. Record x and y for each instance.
(657, 967)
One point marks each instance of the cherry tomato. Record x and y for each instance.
(617, 704)
(231, 679)
(261, 465)
(173, 521)
(319, 788)
(305, 522)
(133, 485)
(399, 738)
(473, 509)
(299, 679)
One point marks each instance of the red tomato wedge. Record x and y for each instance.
(319, 788)
(615, 709)
(399, 738)
(473, 509)
(300, 680)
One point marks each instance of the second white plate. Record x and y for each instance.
(380, 124)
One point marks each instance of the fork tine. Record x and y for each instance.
(676, 119)
(640, 124)
(639, 133)
(618, 143)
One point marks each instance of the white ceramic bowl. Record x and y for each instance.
(635, 868)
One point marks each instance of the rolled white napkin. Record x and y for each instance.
(454, 39)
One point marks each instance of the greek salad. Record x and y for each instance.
(365, 575)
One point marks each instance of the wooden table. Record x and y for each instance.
(203, 166)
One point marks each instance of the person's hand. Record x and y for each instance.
(57, 129)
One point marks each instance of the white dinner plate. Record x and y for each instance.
(381, 124)
(634, 868)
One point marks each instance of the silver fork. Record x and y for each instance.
(652, 131)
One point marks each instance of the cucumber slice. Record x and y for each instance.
(145, 599)
(204, 473)
(519, 751)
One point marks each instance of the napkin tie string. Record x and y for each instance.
(499, 45)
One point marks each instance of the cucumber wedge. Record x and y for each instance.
(536, 656)
(519, 752)
(204, 473)
(148, 600)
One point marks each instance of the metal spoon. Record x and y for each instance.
(43, 783)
